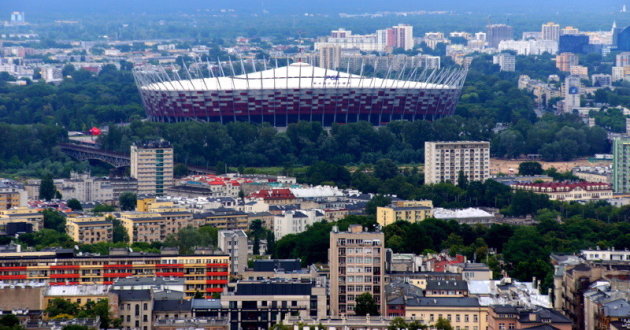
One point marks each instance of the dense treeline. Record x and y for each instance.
(77, 103)
(31, 150)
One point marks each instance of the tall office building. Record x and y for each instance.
(565, 61)
(18, 17)
(152, 166)
(623, 40)
(357, 265)
(330, 57)
(573, 43)
(443, 161)
(621, 166)
(572, 92)
(495, 33)
(551, 31)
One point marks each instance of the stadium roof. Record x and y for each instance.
(298, 75)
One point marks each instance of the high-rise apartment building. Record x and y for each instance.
(330, 57)
(621, 166)
(234, 243)
(152, 166)
(495, 33)
(572, 93)
(357, 266)
(565, 61)
(551, 31)
(506, 61)
(443, 161)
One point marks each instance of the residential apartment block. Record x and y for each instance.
(410, 211)
(89, 230)
(568, 191)
(152, 166)
(621, 166)
(443, 161)
(234, 243)
(205, 273)
(357, 265)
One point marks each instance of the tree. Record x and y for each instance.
(75, 327)
(180, 170)
(462, 180)
(9, 321)
(256, 248)
(103, 208)
(443, 324)
(60, 306)
(365, 305)
(74, 204)
(47, 188)
(54, 220)
(127, 201)
(271, 243)
(376, 201)
(385, 169)
(530, 168)
(119, 233)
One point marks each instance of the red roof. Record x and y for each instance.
(564, 186)
(273, 194)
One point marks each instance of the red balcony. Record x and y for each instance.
(217, 265)
(117, 274)
(219, 290)
(11, 269)
(216, 282)
(166, 274)
(217, 273)
(12, 277)
(65, 275)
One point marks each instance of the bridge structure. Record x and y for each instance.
(84, 152)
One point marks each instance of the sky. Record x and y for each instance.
(42, 8)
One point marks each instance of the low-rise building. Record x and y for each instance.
(410, 211)
(569, 191)
(462, 312)
(275, 196)
(515, 317)
(28, 217)
(89, 230)
(222, 218)
(295, 222)
(263, 304)
(446, 288)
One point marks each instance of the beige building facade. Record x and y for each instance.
(357, 266)
(443, 161)
(152, 166)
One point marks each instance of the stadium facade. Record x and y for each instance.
(299, 92)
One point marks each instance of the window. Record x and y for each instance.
(475, 318)
(145, 319)
(145, 307)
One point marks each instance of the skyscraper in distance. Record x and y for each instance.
(551, 31)
(621, 166)
(495, 33)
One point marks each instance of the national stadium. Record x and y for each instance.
(299, 92)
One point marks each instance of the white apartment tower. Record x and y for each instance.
(444, 160)
(152, 166)
(330, 57)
